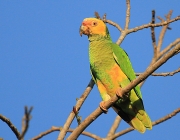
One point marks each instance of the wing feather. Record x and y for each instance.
(124, 62)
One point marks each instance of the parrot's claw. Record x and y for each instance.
(119, 93)
(101, 105)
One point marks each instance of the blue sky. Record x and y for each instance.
(44, 63)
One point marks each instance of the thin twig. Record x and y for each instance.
(161, 120)
(11, 126)
(114, 24)
(169, 47)
(153, 25)
(163, 73)
(162, 34)
(25, 121)
(108, 103)
(153, 35)
(78, 118)
(127, 14)
(78, 106)
(97, 15)
(54, 128)
(114, 127)
(126, 28)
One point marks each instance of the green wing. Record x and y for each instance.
(123, 61)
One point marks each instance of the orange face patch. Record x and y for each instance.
(93, 26)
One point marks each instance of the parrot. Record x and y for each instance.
(111, 70)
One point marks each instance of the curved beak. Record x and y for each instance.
(81, 30)
(84, 29)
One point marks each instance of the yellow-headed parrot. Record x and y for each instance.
(111, 70)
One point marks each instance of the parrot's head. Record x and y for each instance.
(93, 26)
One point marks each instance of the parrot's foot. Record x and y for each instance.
(101, 105)
(119, 93)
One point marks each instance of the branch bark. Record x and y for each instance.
(11, 126)
(163, 73)
(114, 126)
(54, 128)
(25, 121)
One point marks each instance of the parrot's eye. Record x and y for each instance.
(94, 23)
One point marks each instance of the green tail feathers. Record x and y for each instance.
(141, 122)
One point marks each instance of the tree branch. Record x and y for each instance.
(114, 126)
(161, 37)
(163, 73)
(153, 34)
(11, 126)
(25, 121)
(161, 120)
(133, 83)
(127, 14)
(78, 106)
(153, 25)
(169, 47)
(113, 24)
(54, 128)
(135, 29)
(125, 31)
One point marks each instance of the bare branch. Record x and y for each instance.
(153, 25)
(11, 126)
(114, 126)
(153, 34)
(107, 104)
(163, 31)
(177, 52)
(161, 120)
(25, 121)
(167, 117)
(78, 106)
(46, 132)
(114, 24)
(127, 14)
(126, 30)
(104, 17)
(163, 73)
(161, 19)
(169, 47)
(78, 118)
(54, 128)
(97, 15)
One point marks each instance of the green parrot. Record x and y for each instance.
(111, 70)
